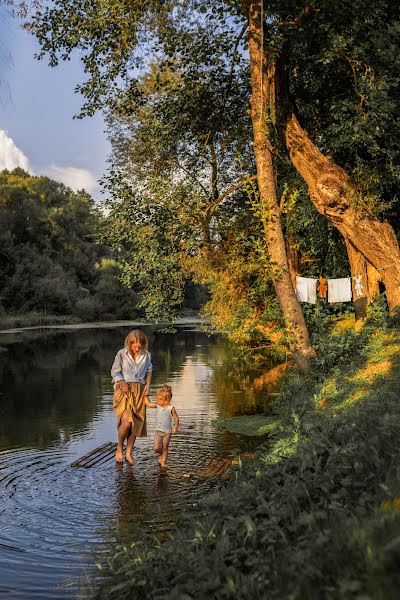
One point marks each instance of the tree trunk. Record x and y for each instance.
(290, 306)
(333, 194)
(292, 255)
(374, 277)
(359, 280)
(364, 280)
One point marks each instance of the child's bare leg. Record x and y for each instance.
(164, 454)
(129, 448)
(123, 432)
(157, 444)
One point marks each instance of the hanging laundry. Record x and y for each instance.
(322, 288)
(306, 290)
(358, 286)
(339, 290)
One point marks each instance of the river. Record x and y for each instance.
(56, 405)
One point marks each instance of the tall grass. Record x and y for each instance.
(316, 515)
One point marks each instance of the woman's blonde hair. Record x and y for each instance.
(136, 336)
(164, 395)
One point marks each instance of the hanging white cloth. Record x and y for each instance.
(339, 290)
(306, 290)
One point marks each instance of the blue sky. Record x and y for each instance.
(37, 105)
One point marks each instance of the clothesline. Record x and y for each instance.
(332, 290)
(382, 268)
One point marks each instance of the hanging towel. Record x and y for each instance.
(339, 290)
(306, 290)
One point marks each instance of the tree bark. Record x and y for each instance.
(374, 277)
(260, 91)
(366, 288)
(292, 255)
(359, 280)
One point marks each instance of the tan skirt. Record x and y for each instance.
(132, 402)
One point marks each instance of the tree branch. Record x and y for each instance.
(298, 21)
(228, 192)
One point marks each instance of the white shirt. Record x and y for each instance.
(126, 368)
(164, 418)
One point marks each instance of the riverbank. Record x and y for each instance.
(34, 319)
(37, 320)
(316, 514)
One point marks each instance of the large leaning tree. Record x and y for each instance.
(333, 79)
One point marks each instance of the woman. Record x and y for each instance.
(131, 372)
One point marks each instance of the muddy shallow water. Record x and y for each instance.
(56, 405)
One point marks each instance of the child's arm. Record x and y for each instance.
(149, 403)
(176, 420)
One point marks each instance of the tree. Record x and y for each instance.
(266, 184)
(345, 89)
(109, 33)
(48, 250)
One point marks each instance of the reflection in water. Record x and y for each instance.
(56, 405)
(236, 381)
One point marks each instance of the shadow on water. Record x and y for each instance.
(56, 405)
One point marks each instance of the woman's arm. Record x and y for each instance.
(146, 390)
(176, 420)
(117, 375)
(116, 369)
(149, 371)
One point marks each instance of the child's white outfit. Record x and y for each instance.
(164, 419)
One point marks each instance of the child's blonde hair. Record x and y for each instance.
(164, 395)
(136, 336)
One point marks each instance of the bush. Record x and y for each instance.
(39, 284)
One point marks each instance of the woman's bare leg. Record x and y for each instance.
(129, 447)
(124, 429)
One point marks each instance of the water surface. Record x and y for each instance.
(56, 405)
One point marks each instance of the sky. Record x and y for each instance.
(37, 105)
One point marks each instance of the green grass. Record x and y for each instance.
(251, 425)
(315, 516)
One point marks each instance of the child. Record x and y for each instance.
(166, 413)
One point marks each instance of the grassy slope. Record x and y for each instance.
(316, 517)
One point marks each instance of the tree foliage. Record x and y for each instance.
(49, 258)
(344, 70)
(172, 79)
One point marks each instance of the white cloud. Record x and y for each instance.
(77, 179)
(10, 155)
(72, 177)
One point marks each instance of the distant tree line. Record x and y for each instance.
(50, 260)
